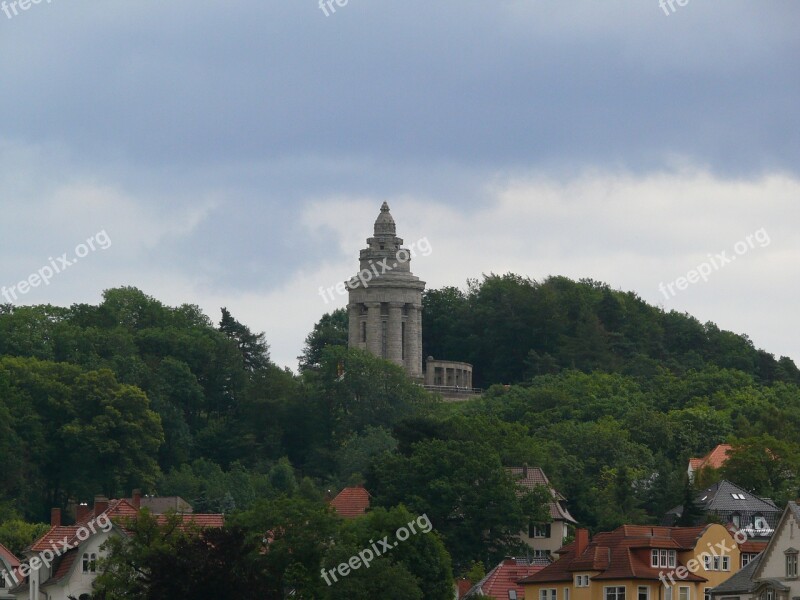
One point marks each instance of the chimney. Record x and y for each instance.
(137, 498)
(55, 517)
(100, 505)
(81, 512)
(581, 541)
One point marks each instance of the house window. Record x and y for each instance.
(541, 554)
(662, 558)
(644, 592)
(716, 563)
(581, 581)
(747, 557)
(512, 594)
(547, 594)
(706, 593)
(736, 519)
(539, 530)
(791, 564)
(614, 593)
(667, 592)
(683, 593)
(89, 563)
(566, 593)
(760, 523)
(726, 563)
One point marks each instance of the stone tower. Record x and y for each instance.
(385, 300)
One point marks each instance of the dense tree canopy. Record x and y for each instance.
(610, 396)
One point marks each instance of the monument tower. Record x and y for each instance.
(385, 300)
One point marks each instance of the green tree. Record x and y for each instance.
(764, 465)
(253, 347)
(417, 567)
(213, 563)
(330, 330)
(461, 485)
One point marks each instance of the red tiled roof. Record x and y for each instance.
(13, 563)
(8, 556)
(714, 459)
(621, 554)
(63, 567)
(533, 477)
(463, 586)
(351, 502)
(204, 521)
(117, 509)
(753, 546)
(504, 577)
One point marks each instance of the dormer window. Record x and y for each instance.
(760, 523)
(662, 558)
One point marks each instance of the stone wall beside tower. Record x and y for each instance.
(385, 300)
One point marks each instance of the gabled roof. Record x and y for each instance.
(714, 459)
(8, 557)
(62, 567)
(351, 502)
(505, 577)
(792, 509)
(740, 582)
(720, 498)
(622, 554)
(533, 477)
(56, 535)
(8, 563)
(117, 509)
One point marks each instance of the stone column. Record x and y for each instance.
(394, 344)
(374, 341)
(414, 340)
(354, 326)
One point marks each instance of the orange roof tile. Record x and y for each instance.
(116, 510)
(621, 554)
(505, 577)
(351, 502)
(714, 459)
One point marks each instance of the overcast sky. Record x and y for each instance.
(237, 153)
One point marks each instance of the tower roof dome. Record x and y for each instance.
(384, 224)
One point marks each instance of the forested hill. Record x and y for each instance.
(512, 328)
(135, 394)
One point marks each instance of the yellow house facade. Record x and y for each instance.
(639, 563)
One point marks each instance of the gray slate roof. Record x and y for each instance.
(719, 498)
(740, 582)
